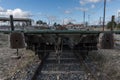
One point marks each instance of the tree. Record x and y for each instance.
(118, 26)
(70, 23)
(110, 24)
(59, 25)
(39, 22)
(55, 24)
(44, 23)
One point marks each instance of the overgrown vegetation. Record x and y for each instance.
(116, 25)
(110, 24)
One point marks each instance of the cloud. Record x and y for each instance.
(67, 12)
(51, 18)
(118, 12)
(15, 12)
(83, 2)
(93, 1)
(92, 6)
(1, 9)
(81, 9)
(67, 20)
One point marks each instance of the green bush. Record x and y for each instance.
(109, 25)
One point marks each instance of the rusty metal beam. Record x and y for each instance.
(15, 19)
(61, 32)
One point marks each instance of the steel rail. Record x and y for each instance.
(98, 68)
(39, 68)
(87, 69)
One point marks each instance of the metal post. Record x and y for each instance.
(104, 14)
(100, 21)
(11, 23)
(17, 52)
(112, 20)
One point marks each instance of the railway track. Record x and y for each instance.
(67, 67)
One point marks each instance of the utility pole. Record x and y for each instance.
(100, 21)
(84, 17)
(63, 21)
(104, 14)
(88, 19)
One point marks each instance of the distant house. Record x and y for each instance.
(61, 28)
(74, 26)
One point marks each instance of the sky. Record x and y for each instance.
(60, 11)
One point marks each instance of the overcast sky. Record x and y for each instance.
(59, 10)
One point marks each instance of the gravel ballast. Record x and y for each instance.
(16, 69)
